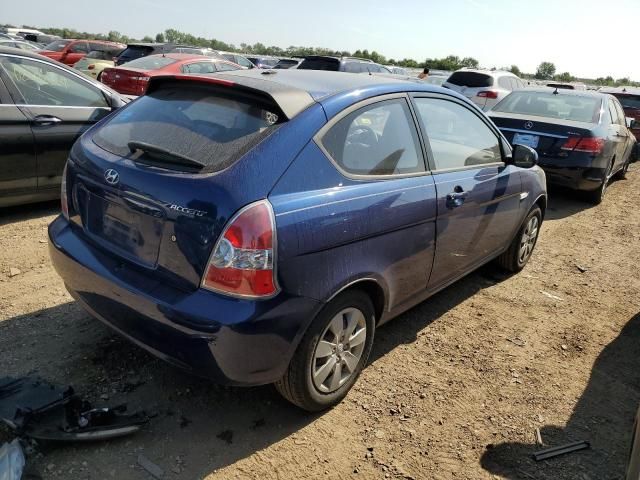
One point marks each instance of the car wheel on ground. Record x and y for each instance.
(596, 196)
(622, 173)
(332, 353)
(521, 248)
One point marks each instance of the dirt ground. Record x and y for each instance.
(455, 387)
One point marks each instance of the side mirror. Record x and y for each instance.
(631, 122)
(524, 156)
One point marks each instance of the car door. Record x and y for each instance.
(617, 134)
(479, 201)
(60, 106)
(75, 52)
(17, 150)
(629, 139)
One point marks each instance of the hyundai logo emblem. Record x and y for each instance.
(528, 125)
(111, 176)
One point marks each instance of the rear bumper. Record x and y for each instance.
(231, 341)
(576, 178)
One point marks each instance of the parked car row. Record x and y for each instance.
(269, 283)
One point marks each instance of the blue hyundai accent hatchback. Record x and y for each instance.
(257, 227)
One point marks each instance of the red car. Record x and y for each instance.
(132, 77)
(630, 100)
(70, 51)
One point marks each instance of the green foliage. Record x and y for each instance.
(515, 70)
(451, 62)
(546, 71)
(565, 77)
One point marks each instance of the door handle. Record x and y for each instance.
(44, 120)
(456, 198)
(621, 134)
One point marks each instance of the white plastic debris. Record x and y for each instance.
(11, 461)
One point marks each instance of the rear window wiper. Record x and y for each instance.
(163, 155)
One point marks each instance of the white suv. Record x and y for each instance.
(485, 88)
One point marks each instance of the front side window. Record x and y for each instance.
(379, 139)
(458, 137)
(43, 84)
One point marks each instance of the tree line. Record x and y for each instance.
(545, 71)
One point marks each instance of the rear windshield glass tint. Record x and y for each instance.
(471, 79)
(152, 62)
(546, 104)
(194, 122)
(331, 64)
(57, 46)
(131, 53)
(629, 101)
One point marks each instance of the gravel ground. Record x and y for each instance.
(455, 387)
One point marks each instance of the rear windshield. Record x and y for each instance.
(131, 53)
(332, 64)
(57, 45)
(547, 104)
(200, 123)
(151, 62)
(629, 101)
(471, 79)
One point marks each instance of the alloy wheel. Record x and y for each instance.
(339, 350)
(528, 239)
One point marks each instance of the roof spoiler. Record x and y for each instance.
(291, 101)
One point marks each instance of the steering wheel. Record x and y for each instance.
(363, 135)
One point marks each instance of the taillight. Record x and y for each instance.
(488, 94)
(64, 201)
(142, 84)
(91, 67)
(592, 145)
(242, 262)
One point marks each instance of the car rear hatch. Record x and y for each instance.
(320, 63)
(470, 84)
(157, 182)
(547, 135)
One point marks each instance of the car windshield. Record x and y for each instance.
(547, 104)
(133, 52)
(629, 101)
(471, 79)
(151, 62)
(191, 121)
(57, 45)
(319, 63)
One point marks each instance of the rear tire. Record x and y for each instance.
(332, 353)
(596, 196)
(622, 173)
(521, 248)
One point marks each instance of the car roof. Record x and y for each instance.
(24, 53)
(565, 91)
(493, 73)
(295, 90)
(620, 90)
(183, 56)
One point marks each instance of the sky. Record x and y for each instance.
(587, 38)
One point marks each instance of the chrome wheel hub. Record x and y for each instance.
(528, 240)
(339, 350)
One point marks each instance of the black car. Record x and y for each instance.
(139, 50)
(583, 138)
(286, 63)
(341, 64)
(44, 107)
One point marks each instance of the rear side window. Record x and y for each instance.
(505, 82)
(206, 125)
(547, 104)
(379, 139)
(57, 45)
(331, 64)
(200, 68)
(629, 101)
(353, 67)
(79, 47)
(131, 53)
(471, 79)
(457, 136)
(152, 62)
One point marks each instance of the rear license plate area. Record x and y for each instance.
(131, 234)
(526, 139)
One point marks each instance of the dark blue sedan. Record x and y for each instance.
(258, 227)
(583, 138)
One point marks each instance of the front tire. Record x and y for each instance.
(331, 354)
(521, 248)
